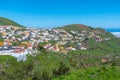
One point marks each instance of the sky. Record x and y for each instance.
(54, 13)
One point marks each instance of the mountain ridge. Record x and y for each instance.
(6, 21)
(81, 27)
(75, 27)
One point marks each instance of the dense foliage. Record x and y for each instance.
(110, 46)
(76, 65)
(93, 73)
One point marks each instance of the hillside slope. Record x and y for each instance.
(76, 27)
(5, 21)
(79, 27)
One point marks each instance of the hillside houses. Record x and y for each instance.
(20, 40)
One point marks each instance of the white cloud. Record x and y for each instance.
(117, 34)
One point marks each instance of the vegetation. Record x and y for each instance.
(100, 62)
(76, 27)
(1, 39)
(110, 46)
(76, 65)
(5, 21)
(93, 73)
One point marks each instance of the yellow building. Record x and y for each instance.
(1, 43)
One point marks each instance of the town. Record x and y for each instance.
(19, 41)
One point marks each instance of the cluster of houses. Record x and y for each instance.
(19, 40)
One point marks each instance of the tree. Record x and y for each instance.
(41, 48)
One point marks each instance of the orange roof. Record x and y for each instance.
(18, 50)
(29, 45)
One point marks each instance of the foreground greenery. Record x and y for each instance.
(76, 65)
(93, 73)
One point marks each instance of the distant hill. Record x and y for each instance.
(76, 27)
(5, 21)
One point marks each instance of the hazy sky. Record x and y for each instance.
(51, 13)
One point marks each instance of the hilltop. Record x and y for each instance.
(81, 27)
(76, 27)
(6, 21)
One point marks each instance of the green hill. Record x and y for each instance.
(5, 21)
(79, 27)
(76, 27)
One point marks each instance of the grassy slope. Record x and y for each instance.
(5, 21)
(111, 46)
(75, 27)
(79, 27)
(56, 66)
(93, 73)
